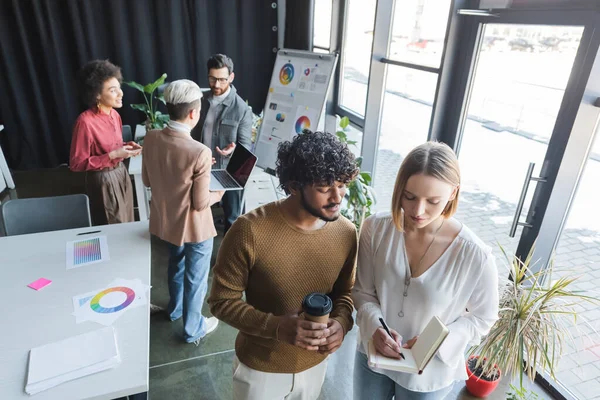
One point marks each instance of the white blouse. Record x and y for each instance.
(463, 278)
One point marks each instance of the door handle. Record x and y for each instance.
(528, 178)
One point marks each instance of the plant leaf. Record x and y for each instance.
(141, 107)
(366, 176)
(344, 122)
(134, 85)
(151, 87)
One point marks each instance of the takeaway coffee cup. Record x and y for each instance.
(316, 307)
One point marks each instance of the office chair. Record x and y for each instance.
(44, 214)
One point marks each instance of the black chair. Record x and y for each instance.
(127, 134)
(44, 214)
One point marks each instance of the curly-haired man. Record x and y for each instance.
(279, 253)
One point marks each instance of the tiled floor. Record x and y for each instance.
(180, 371)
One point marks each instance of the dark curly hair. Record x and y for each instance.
(91, 78)
(314, 158)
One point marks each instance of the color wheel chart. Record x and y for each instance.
(95, 303)
(105, 305)
(87, 251)
(302, 123)
(286, 74)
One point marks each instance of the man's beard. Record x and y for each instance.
(221, 90)
(316, 212)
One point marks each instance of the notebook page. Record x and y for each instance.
(378, 360)
(429, 341)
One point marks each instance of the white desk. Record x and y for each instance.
(262, 188)
(31, 318)
(135, 169)
(4, 170)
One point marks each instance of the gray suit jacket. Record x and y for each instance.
(233, 124)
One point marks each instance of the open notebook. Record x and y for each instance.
(71, 358)
(417, 358)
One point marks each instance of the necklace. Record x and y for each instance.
(408, 276)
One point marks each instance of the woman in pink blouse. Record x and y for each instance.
(97, 147)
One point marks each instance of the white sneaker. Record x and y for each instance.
(211, 325)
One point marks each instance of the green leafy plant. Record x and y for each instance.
(360, 197)
(154, 118)
(256, 123)
(520, 393)
(536, 312)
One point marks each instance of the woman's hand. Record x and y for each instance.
(136, 147)
(124, 152)
(386, 345)
(410, 343)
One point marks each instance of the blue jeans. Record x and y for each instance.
(368, 384)
(188, 281)
(232, 207)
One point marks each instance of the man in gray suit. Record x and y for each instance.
(225, 121)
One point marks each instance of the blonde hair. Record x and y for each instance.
(432, 159)
(182, 91)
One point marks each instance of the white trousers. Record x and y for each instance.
(250, 384)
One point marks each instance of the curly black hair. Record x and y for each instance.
(91, 78)
(314, 158)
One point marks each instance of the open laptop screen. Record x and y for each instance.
(241, 164)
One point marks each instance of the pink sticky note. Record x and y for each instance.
(40, 283)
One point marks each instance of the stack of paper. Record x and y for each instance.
(72, 358)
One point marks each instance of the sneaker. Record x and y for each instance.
(154, 309)
(211, 325)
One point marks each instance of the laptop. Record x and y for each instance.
(235, 176)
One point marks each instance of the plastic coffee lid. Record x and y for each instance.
(317, 304)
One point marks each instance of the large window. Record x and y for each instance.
(322, 26)
(356, 56)
(407, 106)
(414, 56)
(419, 30)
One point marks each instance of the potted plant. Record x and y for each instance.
(516, 393)
(256, 123)
(536, 310)
(481, 384)
(360, 197)
(154, 118)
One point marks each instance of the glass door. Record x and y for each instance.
(523, 143)
(519, 83)
(578, 252)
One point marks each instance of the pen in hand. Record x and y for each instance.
(390, 334)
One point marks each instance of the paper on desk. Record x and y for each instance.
(87, 251)
(106, 304)
(72, 358)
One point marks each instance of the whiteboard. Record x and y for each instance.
(295, 100)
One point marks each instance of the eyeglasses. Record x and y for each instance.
(213, 80)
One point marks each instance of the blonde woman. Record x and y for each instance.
(416, 262)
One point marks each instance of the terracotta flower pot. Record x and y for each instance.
(477, 386)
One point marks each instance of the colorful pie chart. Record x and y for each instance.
(286, 74)
(302, 123)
